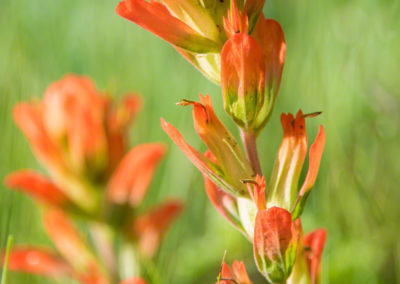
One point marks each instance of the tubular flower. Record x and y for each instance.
(275, 242)
(81, 139)
(231, 166)
(251, 69)
(283, 187)
(314, 243)
(238, 276)
(194, 28)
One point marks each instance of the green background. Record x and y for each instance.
(343, 58)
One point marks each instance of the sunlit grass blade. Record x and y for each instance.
(5, 265)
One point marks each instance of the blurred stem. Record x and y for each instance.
(249, 142)
(103, 240)
(130, 261)
(5, 266)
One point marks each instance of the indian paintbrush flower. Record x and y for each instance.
(251, 69)
(194, 28)
(232, 166)
(81, 139)
(236, 275)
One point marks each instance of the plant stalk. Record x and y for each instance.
(249, 142)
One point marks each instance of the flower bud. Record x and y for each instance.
(275, 243)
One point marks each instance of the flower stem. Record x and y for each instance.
(249, 142)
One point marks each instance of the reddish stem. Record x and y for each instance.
(249, 141)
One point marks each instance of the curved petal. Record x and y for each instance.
(239, 270)
(38, 186)
(155, 17)
(72, 247)
(315, 241)
(132, 177)
(315, 156)
(118, 122)
(153, 224)
(29, 119)
(38, 261)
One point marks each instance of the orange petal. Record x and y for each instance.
(315, 241)
(206, 166)
(37, 186)
(72, 247)
(153, 224)
(226, 273)
(239, 270)
(74, 109)
(118, 122)
(315, 156)
(29, 119)
(132, 178)
(38, 261)
(283, 186)
(269, 35)
(242, 78)
(155, 17)
(133, 281)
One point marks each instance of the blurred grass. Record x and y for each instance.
(343, 58)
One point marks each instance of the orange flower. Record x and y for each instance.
(248, 63)
(232, 165)
(194, 28)
(275, 243)
(77, 260)
(314, 243)
(283, 186)
(238, 276)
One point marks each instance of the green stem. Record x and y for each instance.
(249, 142)
(7, 256)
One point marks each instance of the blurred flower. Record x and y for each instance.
(76, 261)
(194, 28)
(238, 276)
(283, 186)
(231, 166)
(81, 139)
(314, 243)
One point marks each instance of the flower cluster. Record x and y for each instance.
(81, 139)
(233, 44)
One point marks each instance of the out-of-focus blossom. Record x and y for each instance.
(237, 276)
(194, 28)
(231, 166)
(152, 225)
(283, 187)
(77, 135)
(76, 260)
(314, 243)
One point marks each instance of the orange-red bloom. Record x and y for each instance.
(283, 187)
(251, 69)
(275, 243)
(237, 276)
(194, 28)
(314, 243)
(232, 165)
